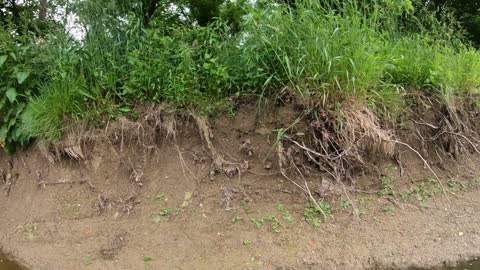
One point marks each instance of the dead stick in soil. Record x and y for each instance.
(309, 193)
(72, 182)
(281, 158)
(427, 165)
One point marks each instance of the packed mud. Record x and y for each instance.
(130, 203)
(6, 264)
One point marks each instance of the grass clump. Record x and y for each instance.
(44, 116)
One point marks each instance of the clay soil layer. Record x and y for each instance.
(127, 206)
(63, 226)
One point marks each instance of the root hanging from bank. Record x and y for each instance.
(219, 163)
(338, 146)
(452, 128)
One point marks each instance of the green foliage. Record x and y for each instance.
(184, 68)
(373, 51)
(313, 214)
(466, 11)
(272, 219)
(44, 116)
(15, 89)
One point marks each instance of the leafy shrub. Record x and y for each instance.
(183, 68)
(15, 89)
(372, 51)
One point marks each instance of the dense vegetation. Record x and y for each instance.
(66, 61)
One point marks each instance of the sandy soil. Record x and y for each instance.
(124, 210)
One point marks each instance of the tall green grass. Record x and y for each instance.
(324, 51)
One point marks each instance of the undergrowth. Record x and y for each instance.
(374, 52)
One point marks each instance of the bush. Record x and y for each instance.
(371, 51)
(16, 86)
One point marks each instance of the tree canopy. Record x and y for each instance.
(467, 12)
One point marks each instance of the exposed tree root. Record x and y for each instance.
(220, 164)
(336, 146)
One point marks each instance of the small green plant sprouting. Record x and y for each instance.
(88, 260)
(160, 197)
(147, 259)
(313, 215)
(245, 205)
(286, 214)
(359, 212)
(388, 209)
(287, 217)
(164, 212)
(247, 243)
(427, 189)
(456, 186)
(404, 195)
(422, 191)
(276, 227)
(346, 204)
(236, 219)
(388, 188)
(257, 222)
(361, 201)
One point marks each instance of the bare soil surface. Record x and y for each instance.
(123, 207)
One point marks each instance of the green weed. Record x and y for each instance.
(147, 259)
(164, 213)
(272, 219)
(388, 188)
(314, 215)
(285, 213)
(377, 54)
(346, 204)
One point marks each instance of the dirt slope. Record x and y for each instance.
(127, 208)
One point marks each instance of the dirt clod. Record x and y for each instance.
(110, 251)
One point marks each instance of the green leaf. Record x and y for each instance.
(124, 109)
(147, 259)
(3, 133)
(22, 76)
(11, 94)
(86, 94)
(3, 58)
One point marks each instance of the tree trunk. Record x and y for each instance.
(43, 10)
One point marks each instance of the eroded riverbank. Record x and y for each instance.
(123, 208)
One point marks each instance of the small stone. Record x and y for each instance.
(268, 165)
(460, 234)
